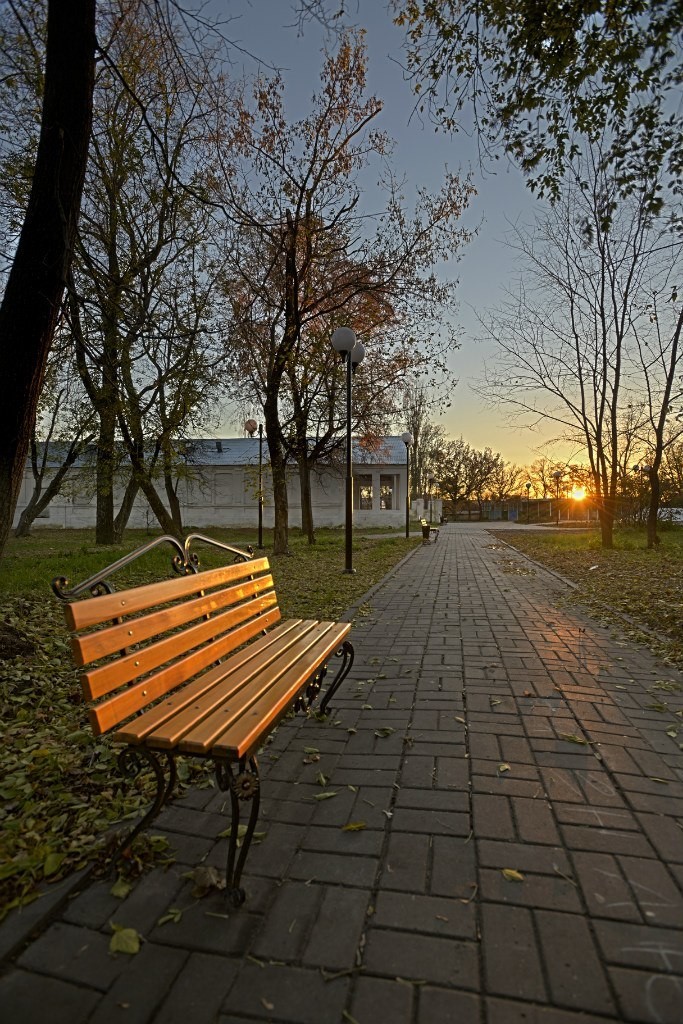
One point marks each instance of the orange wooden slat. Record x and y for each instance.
(232, 692)
(95, 610)
(244, 736)
(303, 658)
(229, 673)
(98, 681)
(111, 712)
(92, 646)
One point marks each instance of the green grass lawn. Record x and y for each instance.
(643, 587)
(60, 788)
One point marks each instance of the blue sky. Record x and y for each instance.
(267, 28)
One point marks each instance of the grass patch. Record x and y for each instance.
(60, 788)
(643, 587)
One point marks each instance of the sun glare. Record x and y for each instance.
(579, 493)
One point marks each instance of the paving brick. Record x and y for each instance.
(74, 954)
(604, 887)
(512, 963)
(287, 994)
(287, 926)
(337, 869)
(440, 1004)
(665, 835)
(337, 929)
(367, 842)
(551, 892)
(434, 800)
(406, 862)
(431, 959)
(209, 925)
(450, 773)
(429, 914)
(453, 871)
(606, 840)
(643, 996)
(576, 974)
(491, 817)
(199, 991)
(505, 1011)
(658, 897)
(659, 950)
(378, 999)
(141, 989)
(525, 856)
(534, 821)
(25, 997)
(431, 822)
(615, 818)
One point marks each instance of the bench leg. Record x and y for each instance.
(243, 785)
(347, 654)
(132, 760)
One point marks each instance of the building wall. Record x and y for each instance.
(228, 496)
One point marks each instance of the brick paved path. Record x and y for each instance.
(483, 729)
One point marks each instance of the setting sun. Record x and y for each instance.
(579, 493)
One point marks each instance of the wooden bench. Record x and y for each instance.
(427, 530)
(198, 665)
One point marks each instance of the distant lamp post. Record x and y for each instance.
(528, 488)
(251, 426)
(344, 342)
(430, 484)
(643, 471)
(557, 476)
(407, 439)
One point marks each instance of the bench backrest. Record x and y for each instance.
(139, 644)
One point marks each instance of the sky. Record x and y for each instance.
(268, 29)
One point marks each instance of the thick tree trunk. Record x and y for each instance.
(307, 526)
(123, 515)
(104, 476)
(31, 303)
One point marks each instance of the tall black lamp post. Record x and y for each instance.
(407, 439)
(260, 485)
(430, 482)
(528, 488)
(344, 342)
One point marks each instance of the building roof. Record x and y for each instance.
(242, 451)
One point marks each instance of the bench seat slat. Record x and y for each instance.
(246, 734)
(170, 721)
(106, 607)
(110, 712)
(92, 646)
(99, 681)
(203, 734)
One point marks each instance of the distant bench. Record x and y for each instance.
(192, 666)
(427, 530)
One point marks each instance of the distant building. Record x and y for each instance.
(219, 487)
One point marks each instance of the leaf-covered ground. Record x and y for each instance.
(60, 788)
(639, 590)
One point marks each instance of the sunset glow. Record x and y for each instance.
(579, 493)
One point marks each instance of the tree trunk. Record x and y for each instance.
(104, 474)
(653, 510)
(278, 467)
(40, 498)
(307, 526)
(33, 295)
(607, 522)
(123, 515)
(173, 502)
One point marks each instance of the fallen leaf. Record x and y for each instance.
(324, 796)
(173, 914)
(124, 940)
(571, 737)
(510, 875)
(383, 733)
(354, 826)
(311, 750)
(503, 768)
(120, 888)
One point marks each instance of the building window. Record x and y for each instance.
(364, 492)
(387, 489)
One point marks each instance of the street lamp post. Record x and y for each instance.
(430, 482)
(528, 488)
(260, 486)
(557, 476)
(407, 439)
(344, 342)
